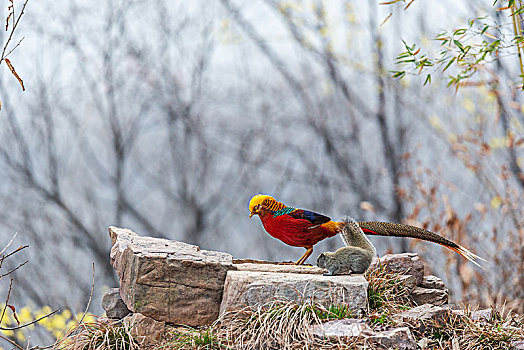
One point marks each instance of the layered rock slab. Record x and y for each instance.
(405, 264)
(254, 288)
(168, 280)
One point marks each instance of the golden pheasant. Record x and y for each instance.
(304, 228)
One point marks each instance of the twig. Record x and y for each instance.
(16, 268)
(30, 323)
(8, 244)
(7, 299)
(14, 251)
(13, 49)
(12, 342)
(42, 347)
(90, 295)
(12, 31)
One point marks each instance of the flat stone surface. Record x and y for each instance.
(398, 338)
(168, 280)
(264, 266)
(113, 304)
(426, 312)
(349, 327)
(253, 288)
(405, 264)
(423, 296)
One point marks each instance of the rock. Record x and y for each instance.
(409, 281)
(517, 344)
(253, 288)
(397, 338)
(429, 296)
(426, 312)
(432, 282)
(349, 327)
(482, 315)
(145, 329)
(405, 264)
(113, 305)
(168, 280)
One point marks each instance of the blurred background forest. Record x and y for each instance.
(165, 117)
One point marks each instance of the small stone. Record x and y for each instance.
(423, 343)
(349, 327)
(426, 312)
(113, 304)
(409, 281)
(429, 296)
(482, 315)
(432, 282)
(517, 344)
(398, 338)
(405, 263)
(145, 329)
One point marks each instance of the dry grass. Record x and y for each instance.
(468, 333)
(282, 324)
(101, 334)
(387, 294)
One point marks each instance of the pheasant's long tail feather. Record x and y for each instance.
(401, 230)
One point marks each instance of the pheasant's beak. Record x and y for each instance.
(251, 214)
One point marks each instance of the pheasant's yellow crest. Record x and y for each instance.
(270, 202)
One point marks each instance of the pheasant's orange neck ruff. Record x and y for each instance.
(273, 205)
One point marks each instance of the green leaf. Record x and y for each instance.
(398, 74)
(449, 64)
(428, 79)
(459, 45)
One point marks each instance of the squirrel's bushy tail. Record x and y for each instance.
(401, 230)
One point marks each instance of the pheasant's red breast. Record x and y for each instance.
(298, 232)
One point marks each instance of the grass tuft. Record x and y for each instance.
(100, 334)
(282, 324)
(185, 338)
(388, 294)
(475, 334)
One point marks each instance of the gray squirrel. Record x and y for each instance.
(355, 258)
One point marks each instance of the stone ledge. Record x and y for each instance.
(253, 288)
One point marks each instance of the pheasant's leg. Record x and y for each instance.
(306, 255)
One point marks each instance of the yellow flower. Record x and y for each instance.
(20, 336)
(8, 334)
(497, 142)
(66, 314)
(25, 315)
(496, 202)
(434, 120)
(468, 105)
